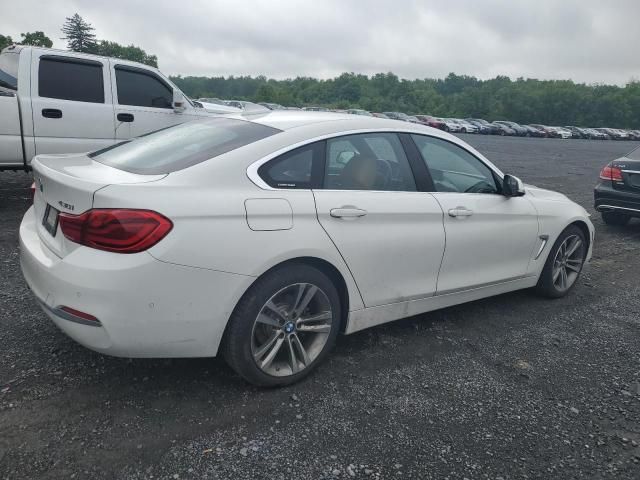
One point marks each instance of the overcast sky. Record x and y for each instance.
(591, 41)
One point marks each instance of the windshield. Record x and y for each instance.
(9, 70)
(182, 146)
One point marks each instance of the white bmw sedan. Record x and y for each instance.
(262, 238)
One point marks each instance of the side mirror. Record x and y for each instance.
(512, 186)
(179, 103)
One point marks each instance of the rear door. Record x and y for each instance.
(143, 102)
(71, 102)
(490, 237)
(389, 233)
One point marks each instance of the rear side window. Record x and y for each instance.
(9, 70)
(294, 169)
(70, 79)
(182, 146)
(142, 89)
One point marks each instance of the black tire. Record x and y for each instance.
(238, 335)
(546, 286)
(615, 219)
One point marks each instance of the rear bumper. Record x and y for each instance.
(609, 199)
(145, 307)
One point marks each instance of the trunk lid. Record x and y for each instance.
(67, 184)
(630, 174)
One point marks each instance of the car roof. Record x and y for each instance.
(289, 119)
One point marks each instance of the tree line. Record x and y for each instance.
(80, 38)
(550, 102)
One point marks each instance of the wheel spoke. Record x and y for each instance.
(574, 265)
(303, 301)
(563, 276)
(556, 274)
(301, 350)
(272, 349)
(577, 243)
(273, 308)
(267, 320)
(293, 361)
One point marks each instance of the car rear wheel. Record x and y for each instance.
(615, 218)
(564, 264)
(283, 327)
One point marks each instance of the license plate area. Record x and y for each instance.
(634, 180)
(50, 220)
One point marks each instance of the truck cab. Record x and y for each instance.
(57, 101)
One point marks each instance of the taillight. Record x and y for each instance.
(611, 173)
(33, 191)
(116, 230)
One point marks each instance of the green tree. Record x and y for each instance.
(133, 53)
(79, 35)
(5, 41)
(37, 39)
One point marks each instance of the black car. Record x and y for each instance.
(617, 195)
(577, 132)
(519, 129)
(484, 127)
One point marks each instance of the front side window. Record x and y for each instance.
(368, 161)
(182, 146)
(70, 79)
(453, 169)
(142, 89)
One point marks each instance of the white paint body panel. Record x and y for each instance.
(229, 229)
(491, 245)
(395, 250)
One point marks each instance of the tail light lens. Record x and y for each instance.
(33, 191)
(611, 173)
(116, 230)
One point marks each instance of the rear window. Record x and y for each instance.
(9, 70)
(634, 154)
(182, 146)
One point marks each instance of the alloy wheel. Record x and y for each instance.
(567, 263)
(291, 329)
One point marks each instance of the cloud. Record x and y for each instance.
(585, 40)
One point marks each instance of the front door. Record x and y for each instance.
(390, 235)
(143, 102)
(490, 237)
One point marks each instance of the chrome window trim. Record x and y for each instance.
(252, 170)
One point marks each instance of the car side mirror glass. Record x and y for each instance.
(512, 186)
(179, 102)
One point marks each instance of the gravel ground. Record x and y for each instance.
(513, 386)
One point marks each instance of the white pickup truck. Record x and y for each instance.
(56, 101)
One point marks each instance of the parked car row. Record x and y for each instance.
(479, 125)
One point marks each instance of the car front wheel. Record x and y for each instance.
(564, 263)
(283, 327)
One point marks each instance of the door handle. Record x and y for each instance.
(460, 212)
(347, 212)
(125, 117)
(51, 113)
